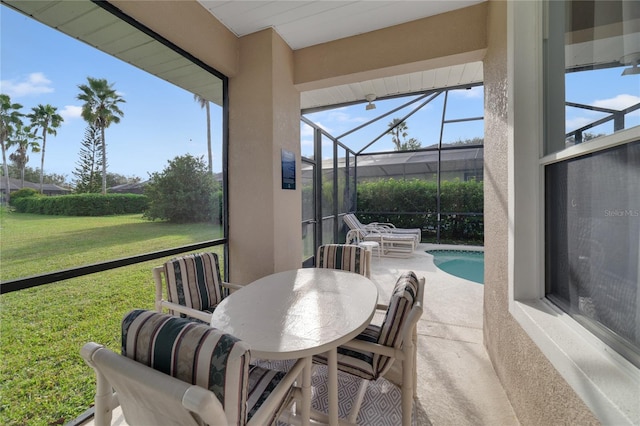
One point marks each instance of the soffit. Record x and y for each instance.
(306, 23)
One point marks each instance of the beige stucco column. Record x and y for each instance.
(538, 394)
(264, 118)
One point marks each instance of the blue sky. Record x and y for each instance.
(40, 65)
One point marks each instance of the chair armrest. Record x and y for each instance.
(274, 401)
(202, 316)
(231, 286)
(376, 348)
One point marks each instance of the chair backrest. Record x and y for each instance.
(403, 313)
(345, 257)
(352, 221)
(194, 281)
(190, 352)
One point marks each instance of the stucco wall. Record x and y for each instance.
(537, 393)
(264, 112)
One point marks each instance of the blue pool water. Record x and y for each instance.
(461, 263)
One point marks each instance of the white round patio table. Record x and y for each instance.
(300, 313)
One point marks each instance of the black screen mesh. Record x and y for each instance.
(592, 208)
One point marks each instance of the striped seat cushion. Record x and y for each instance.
(370, 366)
(345, 257)
(204, 356)
(400, 304)
(262, 382)
(194, 281)
(191, 352)
(358, 363)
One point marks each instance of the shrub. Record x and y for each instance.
(22, 193)
(82, 204)
(414, 204)
(184, 192)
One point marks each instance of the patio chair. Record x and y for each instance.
(371, 354)
(193, 286)
(179, 372)
(353, 222)
(346, 257)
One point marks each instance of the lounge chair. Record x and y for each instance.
(353, 222)
(391, 244)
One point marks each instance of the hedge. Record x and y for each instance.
(82, 204)
(413, 204)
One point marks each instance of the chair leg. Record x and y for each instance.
(355, 408)
(407, 394)
(103, 401)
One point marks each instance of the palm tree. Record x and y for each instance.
(205, 104)
(100, 109)
(398, 130)
(9, 118)
(45, 117)
(24, 139)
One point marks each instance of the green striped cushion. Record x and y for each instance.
(262, 382)
(194, 281)
(358, 363)
(192, 352)
(203, 356)
(400, 304)
(345, 257)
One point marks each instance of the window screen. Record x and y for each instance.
(593, 243)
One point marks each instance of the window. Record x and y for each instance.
(592, 196)
(592, 228)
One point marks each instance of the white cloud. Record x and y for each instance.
(69, 112)
(474, 92)
(619, 102)
(34, 84)
(576, 123)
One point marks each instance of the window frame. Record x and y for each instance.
(604, 380)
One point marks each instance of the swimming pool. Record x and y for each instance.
(465, 264)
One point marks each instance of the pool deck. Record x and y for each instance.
(457, 384)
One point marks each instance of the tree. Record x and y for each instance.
(90, 161)
(114, 179)
(183, 192)
(24, 139)
(33, 174)
(46, 119)
(398, 130)
(10, 117)
(205, 104)
(100, 109)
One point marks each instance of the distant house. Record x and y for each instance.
(129, 188)
(47, 188)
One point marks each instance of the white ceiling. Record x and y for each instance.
(306, 23)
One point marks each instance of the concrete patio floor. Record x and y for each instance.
(456, 381)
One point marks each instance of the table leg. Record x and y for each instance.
(305, 409)
(332, 371)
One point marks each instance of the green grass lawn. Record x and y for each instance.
(43, 379)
